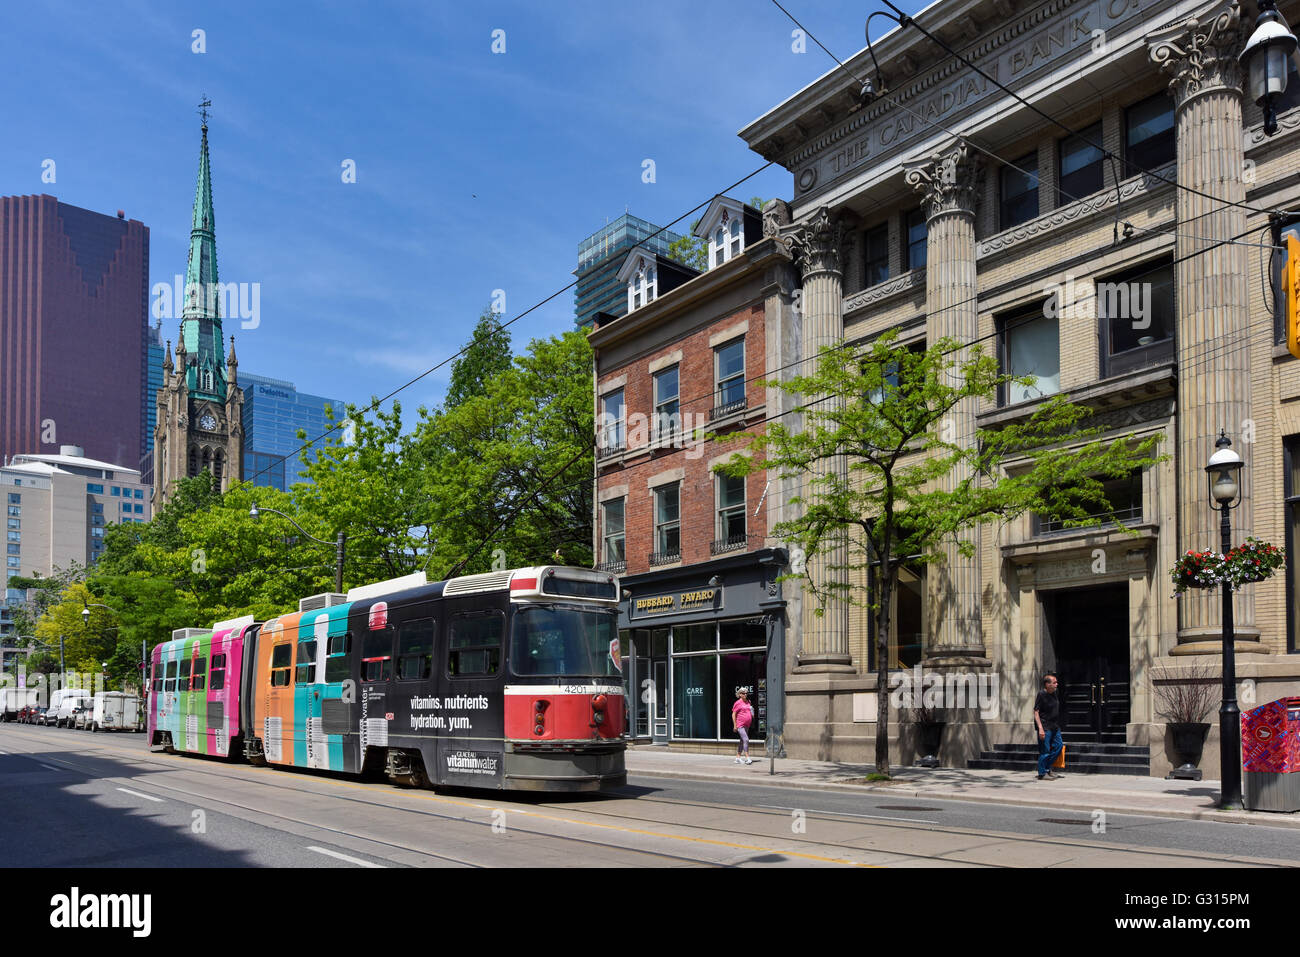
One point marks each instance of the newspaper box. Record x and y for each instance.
(1270, 749)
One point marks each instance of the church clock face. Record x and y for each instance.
(208, 422)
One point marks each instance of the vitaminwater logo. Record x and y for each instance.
(76, 910)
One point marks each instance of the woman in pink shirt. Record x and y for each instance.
(742, 716)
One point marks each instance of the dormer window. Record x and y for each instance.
(643, 285)
(723, 225)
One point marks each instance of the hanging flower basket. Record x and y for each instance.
(1252, 561)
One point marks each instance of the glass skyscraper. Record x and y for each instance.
(274, 411)
(599, 257)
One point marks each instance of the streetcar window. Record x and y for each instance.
(474, 647)
(415, 649)
(218, 672)
(183, 682)
(169, 683)
(157, 677)
(562, 641)
(281, 656)
(554, 585)
(199, 681)
(377, 655)
(336, 662)
(306, 672)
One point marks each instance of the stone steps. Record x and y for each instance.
(1089, 758)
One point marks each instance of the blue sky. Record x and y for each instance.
(475, 171)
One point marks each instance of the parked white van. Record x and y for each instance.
(63, 701)
(115, 711)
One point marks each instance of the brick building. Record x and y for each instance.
(702, 612)
(947, 208)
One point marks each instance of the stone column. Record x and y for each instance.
(1211, 300)
(949, 181)
(817, 246)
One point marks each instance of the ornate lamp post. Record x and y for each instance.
(1264, 59)
(1222, 474)
(339, 544)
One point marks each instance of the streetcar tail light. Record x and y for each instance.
(539, 717)
(598, 709)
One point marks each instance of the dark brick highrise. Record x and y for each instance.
(74, 291)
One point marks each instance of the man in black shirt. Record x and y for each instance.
(1047, 718)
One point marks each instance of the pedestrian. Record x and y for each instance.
(1047, 717)
(742, 715)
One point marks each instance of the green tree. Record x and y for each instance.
(487, 354)
(87, 641)
(691, 250)
(910, 487)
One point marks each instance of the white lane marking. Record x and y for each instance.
(147, 797)
(870, 817)
(344, 857)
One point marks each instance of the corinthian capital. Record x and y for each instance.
(948, 180)
(1200, 54)
(818, 243)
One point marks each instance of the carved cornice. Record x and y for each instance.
(909, 281)
(1135, 186)
(818, 243)
(1287, 122)
(948, 180)
(1201, 56)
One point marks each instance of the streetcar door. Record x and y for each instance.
(471, 725)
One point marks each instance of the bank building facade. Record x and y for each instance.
(942, 206)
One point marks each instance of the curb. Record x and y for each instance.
(1260, 818)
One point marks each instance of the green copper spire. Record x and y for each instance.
(201, 318)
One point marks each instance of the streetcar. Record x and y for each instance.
(505, 680)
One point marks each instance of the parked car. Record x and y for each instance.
(80, 719)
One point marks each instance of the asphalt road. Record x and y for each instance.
(76, 799)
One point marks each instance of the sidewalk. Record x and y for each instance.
(1113, 793)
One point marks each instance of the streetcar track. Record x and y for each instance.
(196, 764)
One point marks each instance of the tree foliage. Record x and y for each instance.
(911, 486)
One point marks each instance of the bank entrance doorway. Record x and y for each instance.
(1089, 651)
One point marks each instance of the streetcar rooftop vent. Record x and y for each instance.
(387, 587)
(180, 633)
(470, 584)
(326, 600)
(234, 624)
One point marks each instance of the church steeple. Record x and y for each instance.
(201, 318)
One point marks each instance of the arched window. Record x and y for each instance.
(217, 462)
(194, 462)
(719, 247)
(207, 460)
(734, 249)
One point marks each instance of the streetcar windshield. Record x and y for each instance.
(563, 640)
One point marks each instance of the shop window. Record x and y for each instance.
(916, 228)
(1019, 191)
(199, 676)
(875, 255)
(695, 697)
(690, 638)
(474, 645)
(668, 525)
(1030, 346)
(746, 670)
(613, 516)
(281, 660)
(1149, 134)
(377, 655)
(415, 649)
(729, 366)
(1080, 170)
(305, 672)
(337, 666)
(218, 674)
(1123, 502)
(667, 419)
(1136, 310)
(906, 618)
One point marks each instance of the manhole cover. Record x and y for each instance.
(901, 807)
(1064, 820)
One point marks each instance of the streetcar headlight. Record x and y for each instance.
(598, 702)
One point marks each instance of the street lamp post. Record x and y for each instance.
(1264, 59)
(1222, 474)
(340, 543)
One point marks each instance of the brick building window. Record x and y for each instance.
(875, 255)
(668, 525)
(612, 438)
(1019, 192)
(729, 373)
(916, 228)
(730, 524)
(1030, 346)
(1149, 134)
(1080, 173)
(613, 554)
(667, 420)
